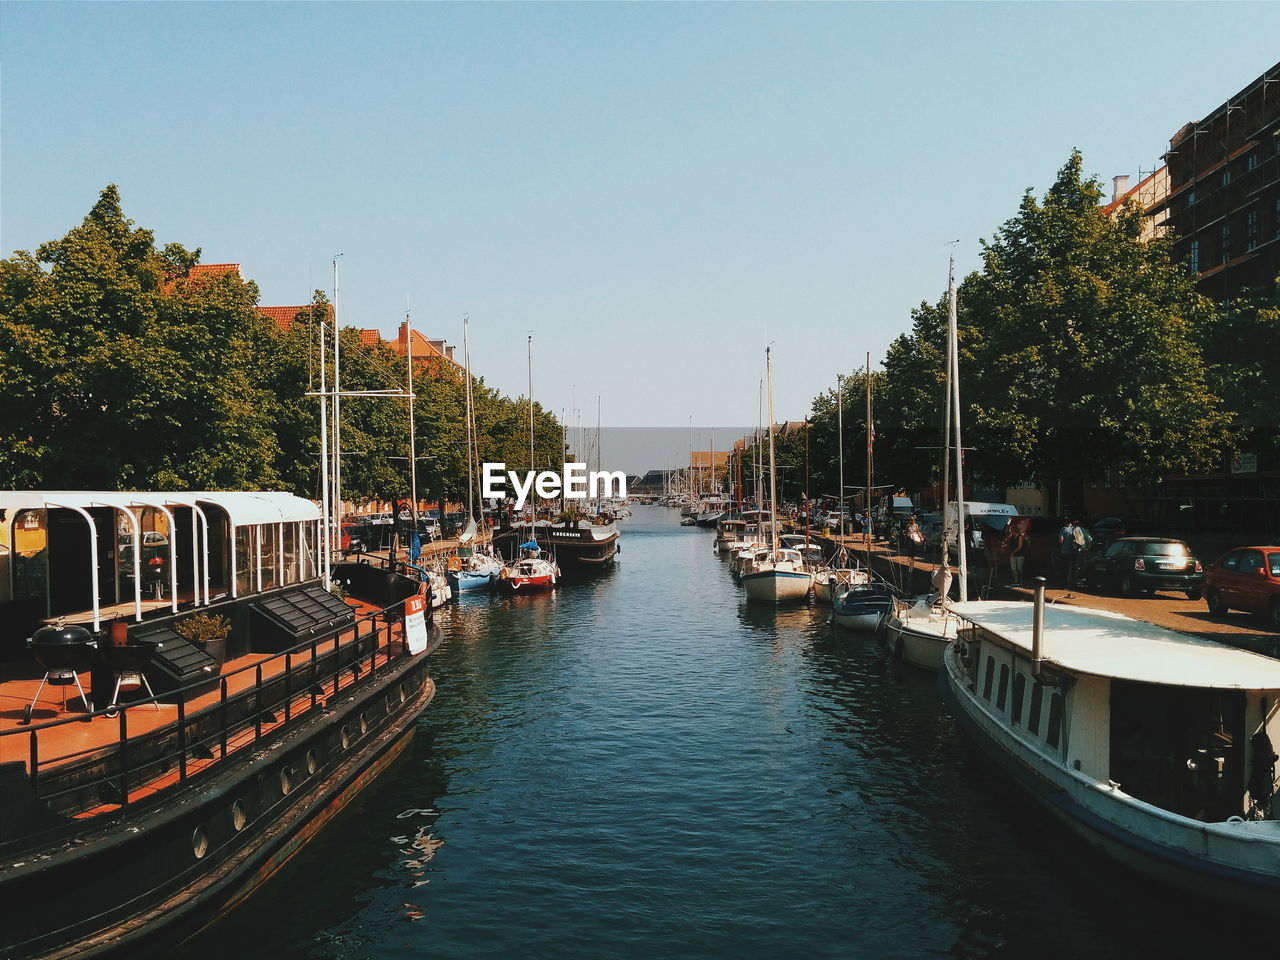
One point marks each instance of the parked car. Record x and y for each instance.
(1107, 529)
(1131, 565)
(1247, 578)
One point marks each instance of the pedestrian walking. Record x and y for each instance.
(1080, 542)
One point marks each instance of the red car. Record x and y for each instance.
(1247, 578)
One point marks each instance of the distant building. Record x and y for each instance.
(1223, 204)
(1150, 194)
(423, 347)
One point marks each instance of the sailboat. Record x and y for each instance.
(471, 568)
(861, 606)
(781, 575)
(530, 570)
(918, 633)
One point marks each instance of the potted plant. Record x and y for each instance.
(208, 632)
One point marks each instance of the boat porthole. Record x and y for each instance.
(311, 762)
(200, 842)
(364, 724)
(403, 694)
(346, 737)
(286, 781)
(391, 704)
(239, 816)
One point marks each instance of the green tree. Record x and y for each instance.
(1078, 352)
(118, 371)
(1244, 368)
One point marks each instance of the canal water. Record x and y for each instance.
(645, 765)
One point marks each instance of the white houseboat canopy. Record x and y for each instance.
(1106, 644)
(244, 508)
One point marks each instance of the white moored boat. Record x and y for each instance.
(781, 575)
(918, 632)
(1152, 746)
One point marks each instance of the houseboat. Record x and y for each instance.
(1153, 747)
(183, 704)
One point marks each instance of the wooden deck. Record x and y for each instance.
(65, 742)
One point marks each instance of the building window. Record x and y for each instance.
(1191, 199)
(1226, 176)
(1226, 242)
(1193, 257)
(1251, 230)
(1252, 162)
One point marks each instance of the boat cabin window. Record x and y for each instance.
(1054, 734)
(270, 535)
(990, 674)
(246, 560)
(1037, 707)
(30, 557)
(1002, 695)
(1019, 689)
(1180, 748)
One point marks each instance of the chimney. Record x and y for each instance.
(1119, 187)
(448, 350)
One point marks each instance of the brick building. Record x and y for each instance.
(1223, 204)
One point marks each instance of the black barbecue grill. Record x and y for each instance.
(64, 651)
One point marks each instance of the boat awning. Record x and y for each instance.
(242, 507)
(1106, 644)
(246, 509)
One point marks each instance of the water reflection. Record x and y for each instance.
(644, 764)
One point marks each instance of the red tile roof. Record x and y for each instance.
(370, 337)
(284, 316)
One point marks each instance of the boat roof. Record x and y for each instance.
(1106, 644)
(245, 508)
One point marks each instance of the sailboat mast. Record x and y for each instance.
(871, 438)
(466, 362)
(946, 446)
(327, 539)
(773, 488)
(337, 390)
(531, 464)
(840, 447)
(954, 336)
(413, 445)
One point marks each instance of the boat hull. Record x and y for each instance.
(1192, 856)
(463, 581)
(919, 641)
(777, 586)
(527, 584)
(153, 909)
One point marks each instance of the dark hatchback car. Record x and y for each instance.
(1247, 578)
(1146, 564)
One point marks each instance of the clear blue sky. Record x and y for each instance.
(654, 190)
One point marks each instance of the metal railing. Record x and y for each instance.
(285, 689)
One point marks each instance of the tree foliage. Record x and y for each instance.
(121, 369)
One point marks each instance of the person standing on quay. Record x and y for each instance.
(1062, 556)
(914, 537)
(1016, 542)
